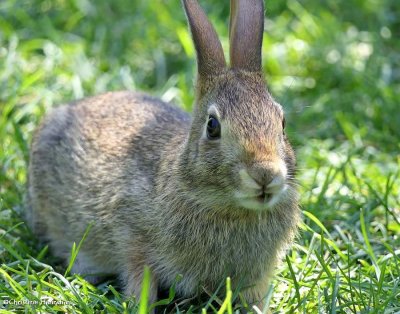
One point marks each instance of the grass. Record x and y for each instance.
(333, 65)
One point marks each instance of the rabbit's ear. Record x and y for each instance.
(245, 33)
(210, 56)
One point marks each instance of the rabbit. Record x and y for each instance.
(206, 196)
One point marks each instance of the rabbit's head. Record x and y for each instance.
(237, 154)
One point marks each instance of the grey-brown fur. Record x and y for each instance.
(158, 192)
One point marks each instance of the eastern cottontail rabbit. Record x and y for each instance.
(207, 196)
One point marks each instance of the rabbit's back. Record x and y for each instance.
(95, 159)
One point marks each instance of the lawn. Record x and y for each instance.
(333, 65)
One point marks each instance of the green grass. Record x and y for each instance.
(333, 65)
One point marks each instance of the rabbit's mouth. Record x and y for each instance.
(253, 194)
(264, 200)
(264, 197)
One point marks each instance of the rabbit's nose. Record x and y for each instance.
(267, 174)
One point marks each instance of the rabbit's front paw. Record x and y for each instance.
(133, 285)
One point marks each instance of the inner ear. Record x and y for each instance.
(246, 34)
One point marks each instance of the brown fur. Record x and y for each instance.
(159, 193)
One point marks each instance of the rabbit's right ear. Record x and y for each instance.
(210, 56)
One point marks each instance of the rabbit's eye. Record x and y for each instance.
(283, 124)
(213, 128)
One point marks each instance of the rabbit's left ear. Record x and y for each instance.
(210, 56)
(246, 33)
